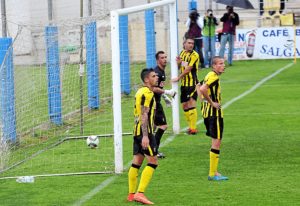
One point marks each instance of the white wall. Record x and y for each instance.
(32, 16)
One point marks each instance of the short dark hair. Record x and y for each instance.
(158, 53)
(145, 72)
(194, 15)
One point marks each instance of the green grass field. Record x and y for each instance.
(260, 153)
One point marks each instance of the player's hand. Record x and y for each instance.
(216, 105)
(168, 101)
(178, 60)
(175, 79)
(145, 142)
(184, 64)
(170, 92)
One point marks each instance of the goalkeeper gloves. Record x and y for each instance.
(170, 92)
(168, 101)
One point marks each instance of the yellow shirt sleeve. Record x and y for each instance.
(210, 78)
(194, 59)
(148, 95)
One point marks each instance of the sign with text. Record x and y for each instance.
(266, 43)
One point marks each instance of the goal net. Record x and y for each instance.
(60, 86)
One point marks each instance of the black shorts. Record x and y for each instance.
(214, 127)
(187, 93)
(137, 146)
(160, 117)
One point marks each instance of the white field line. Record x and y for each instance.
(109, 180)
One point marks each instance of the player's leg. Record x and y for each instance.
(145, 180)
(158, 135)
(184, 98)
(193, 111)
(215, 131)
(214, 156)
(151, 156)
(147, 173)
(137, 161)
(133, 175)
(161, 123)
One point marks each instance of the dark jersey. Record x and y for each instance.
(161, 82)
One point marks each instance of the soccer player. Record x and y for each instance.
(160, 120)
(188, 62)
(144, 144)
(213, 114)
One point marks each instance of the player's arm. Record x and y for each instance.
(158, 90)
(188, 66)
(170, 92)
(144, 125)
(199, 92)
(204, 91)
(178, 61)
(186, 70)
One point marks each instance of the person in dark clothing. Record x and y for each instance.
(160, 120)
(195, 25)
(230, 21)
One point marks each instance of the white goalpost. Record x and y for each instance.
(115, 44)
(52, 100)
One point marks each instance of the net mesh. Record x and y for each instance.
(43, 145)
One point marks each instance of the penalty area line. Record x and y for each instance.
(109, 180)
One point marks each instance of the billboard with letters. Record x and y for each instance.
(266, 43)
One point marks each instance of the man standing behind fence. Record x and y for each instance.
(194, 25)
(230, 21)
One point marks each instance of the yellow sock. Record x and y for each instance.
(146, 178)
(187, 117)
(132, 178)
(214, 161)
(193, 118)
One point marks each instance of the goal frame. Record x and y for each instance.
(115, 45)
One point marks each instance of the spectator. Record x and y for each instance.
(209, 37)
(194, 25)
(230, 21)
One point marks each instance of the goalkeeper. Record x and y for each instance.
(160, 120)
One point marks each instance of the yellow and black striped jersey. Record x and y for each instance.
(214, 91)
(144, 97)
(191, 59)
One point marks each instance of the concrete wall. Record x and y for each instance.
(32, 17)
